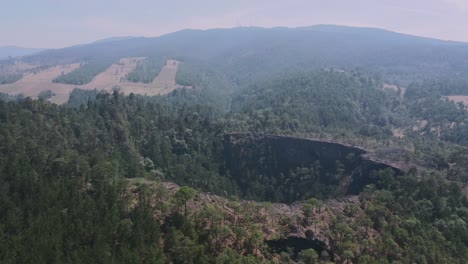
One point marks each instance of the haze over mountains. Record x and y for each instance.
(14, 51)
(266, 51)
(112, 39)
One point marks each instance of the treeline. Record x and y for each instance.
(10, 78)
(79, 97)
(15, 98)
(443, 87)
(85, 73)
(147, 70)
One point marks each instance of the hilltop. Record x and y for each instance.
(15, 51)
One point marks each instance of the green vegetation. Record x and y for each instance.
(10, 78)
(85, 73)
(415, 219)
(73, 184)
(147, 69)
(44, 95)
(7, 98)
(80, 97)
(38, 69)
(309, 256)
(183, 195)
(313, 101)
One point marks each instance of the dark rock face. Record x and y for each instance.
(285, 169)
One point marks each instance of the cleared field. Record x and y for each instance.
(17, 67)
(458, 99)
(166, 78)
(114, 75)
(32, 84)
(164, 83)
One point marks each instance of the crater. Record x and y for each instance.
(287, 169)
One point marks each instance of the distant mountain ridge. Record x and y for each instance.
(15, 51)
(261, 52)
(111, 39)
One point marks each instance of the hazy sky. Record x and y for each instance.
(59, 23)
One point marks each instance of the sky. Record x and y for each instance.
(61, 23)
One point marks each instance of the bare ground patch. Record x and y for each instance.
(33, 83)
(398, 132)
(400, 90)
(458, 99)
(17, 67)
(114, 75)
(391, 87)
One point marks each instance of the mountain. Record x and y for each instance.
(14, 51)
(262, 52)
(112, 39)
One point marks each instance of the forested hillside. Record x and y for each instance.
(314, 100)
(146, 70)
(67, 168)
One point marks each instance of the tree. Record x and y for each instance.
(309, 256)
(309, 207)
(255, 242)
(183, 195)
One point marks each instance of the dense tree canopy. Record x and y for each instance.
(67, 169)
(82, 182)
(147, 69)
